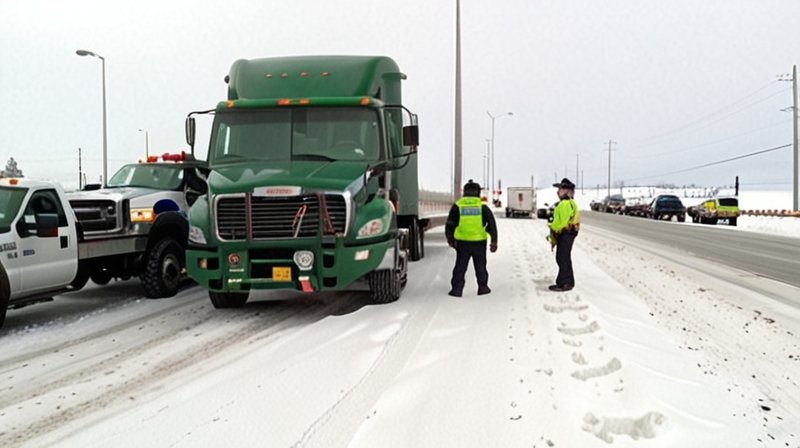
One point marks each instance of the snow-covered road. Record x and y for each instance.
(644, 351)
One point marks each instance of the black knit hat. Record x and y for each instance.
(472, 188)
(565, 184)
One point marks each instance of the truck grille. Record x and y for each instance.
(96, 216)
(277, 217)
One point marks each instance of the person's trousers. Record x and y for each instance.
(476, 250)
(564, 259)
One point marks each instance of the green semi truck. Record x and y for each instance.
(312, 183)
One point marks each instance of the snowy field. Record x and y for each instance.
(643, 352)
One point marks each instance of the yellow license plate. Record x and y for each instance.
(281, 274)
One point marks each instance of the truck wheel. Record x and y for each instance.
(163, 270)
(386, 284)
(101, 277)
(732, 222)
(228, 299)
(81, 277)
(5, 294)
(415, 242)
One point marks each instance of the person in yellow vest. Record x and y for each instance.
(469, 225)
(563, 231)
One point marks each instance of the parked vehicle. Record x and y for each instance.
(665, 207)
(330, 200)
(636, 207)
(614, 203)
(723, 210)
(521, 202)
(53, 242)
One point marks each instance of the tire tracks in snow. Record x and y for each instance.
(67, 396)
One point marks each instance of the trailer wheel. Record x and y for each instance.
(163, 269)
(5, 294)
(228, 299)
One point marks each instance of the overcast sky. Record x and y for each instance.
(673, 84)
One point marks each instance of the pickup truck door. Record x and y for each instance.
(48, 252)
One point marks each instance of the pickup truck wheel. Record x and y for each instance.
(732, 222)
(101, 277)
(81, 277)
(163, 271)
(5, 294)
(228, 299)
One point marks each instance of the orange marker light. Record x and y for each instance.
(304, 74)
(284, 102)
(304, 101)
(325, 73)
(13, 181)
(284, 75)
(230, 104)
(364, 101)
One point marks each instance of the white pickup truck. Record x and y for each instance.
(52, 242)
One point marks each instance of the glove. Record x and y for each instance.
(493, 247)
(451, 243)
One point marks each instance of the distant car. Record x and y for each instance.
(715, 211)
(614, 203)
(594, 205)
(636, 207)
(667, 206)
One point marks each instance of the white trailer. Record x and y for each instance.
(521, 202)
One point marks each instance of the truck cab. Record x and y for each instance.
(38, 242)
(313, 182)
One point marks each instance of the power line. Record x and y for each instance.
(715, 163)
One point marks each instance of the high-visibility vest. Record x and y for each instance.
(470, 220)
(566, 217)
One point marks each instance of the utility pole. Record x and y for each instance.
(457, 139)
(609, 166)
(577, 163)
(796, 156)
(80, 173)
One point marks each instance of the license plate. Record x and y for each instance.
(281, 274)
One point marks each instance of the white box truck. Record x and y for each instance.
(521, 202)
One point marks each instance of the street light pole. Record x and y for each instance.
(493, 117)
(105, 125)
(146, 144)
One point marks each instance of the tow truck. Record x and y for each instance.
(53, 242)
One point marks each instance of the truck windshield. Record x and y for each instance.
(10, 201)
(327, 134)
(161, 177)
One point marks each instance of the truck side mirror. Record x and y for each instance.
(411, 136)
(190, 131)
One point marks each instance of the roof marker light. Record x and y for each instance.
(304, 101)
(303, 73)
(284, 75)
(269, 75)
(325, 73)
(284, 102)
(230, 104)
(365, 101)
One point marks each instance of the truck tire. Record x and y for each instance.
(101, 277)
(386, 284)
(81, 276)
(5, 294)
(416, 241)
(732, 222)
(228, 299)
(163, 269)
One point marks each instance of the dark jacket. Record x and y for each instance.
(453, 219)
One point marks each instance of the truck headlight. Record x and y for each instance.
(143, 215)
(196, 235)
(304, 259)
(372, 227)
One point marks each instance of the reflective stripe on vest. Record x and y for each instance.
(470, 220)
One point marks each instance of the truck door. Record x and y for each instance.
(48, 254)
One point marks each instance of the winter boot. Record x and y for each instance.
(483, 289)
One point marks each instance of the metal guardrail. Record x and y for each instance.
(781, 213)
